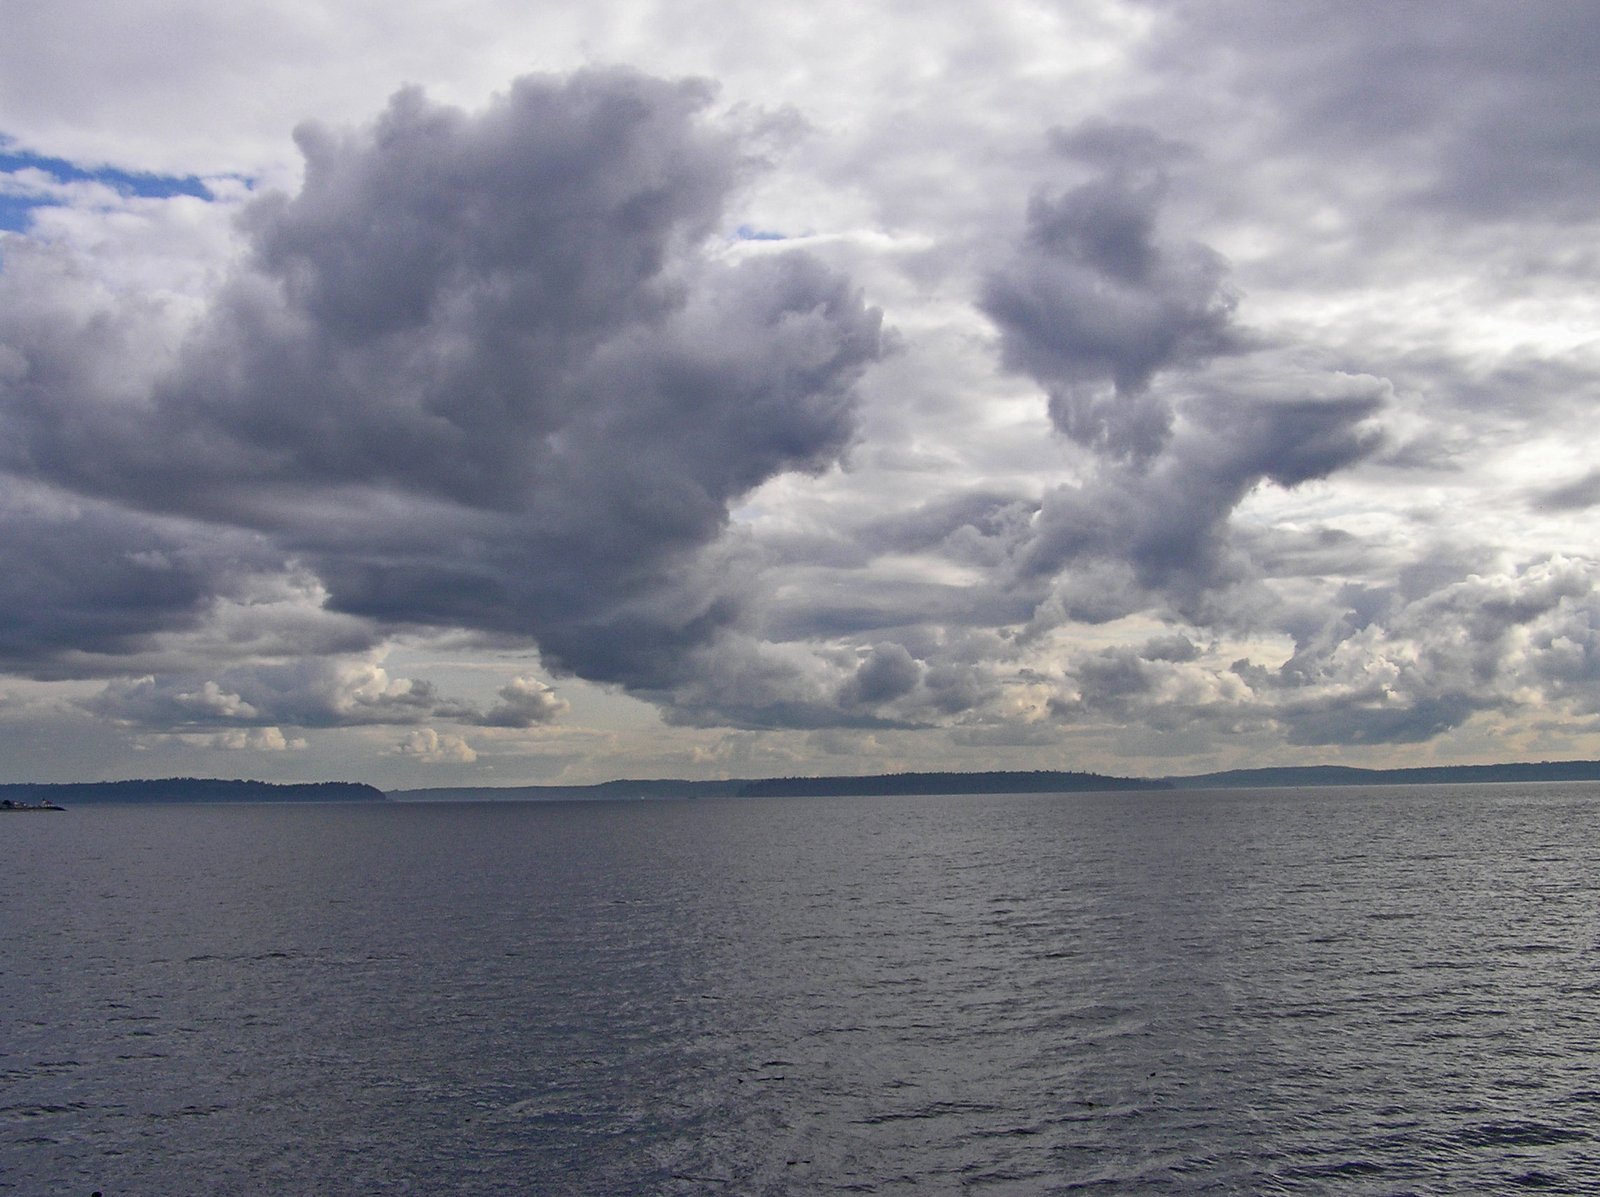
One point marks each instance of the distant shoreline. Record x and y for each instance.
(854, 786)
(1009, 782)
(217, 790)
(187, 789)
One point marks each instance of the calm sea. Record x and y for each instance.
(1294, 991)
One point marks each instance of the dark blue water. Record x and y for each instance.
(1319, 991)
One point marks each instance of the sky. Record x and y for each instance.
(487, 393)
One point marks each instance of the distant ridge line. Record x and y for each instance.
(217, 790)
(854, 786)
(1013, 782)
(1346, 775)
(190, 789)
(998, 782)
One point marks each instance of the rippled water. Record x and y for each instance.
(1350, 991)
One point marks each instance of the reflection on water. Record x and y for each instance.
(1354, 991)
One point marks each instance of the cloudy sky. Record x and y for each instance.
(480, 392)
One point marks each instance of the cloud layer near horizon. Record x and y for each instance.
(1184, 416)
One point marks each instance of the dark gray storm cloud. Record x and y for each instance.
(887, 673)
(1161, 687)
(1577, 495)
(1483, 108)
(1168, 521)
(83, 583)
(969, 527)
(482, 371)
(1094, 303)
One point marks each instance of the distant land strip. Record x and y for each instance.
(1343, 775)
(865, 786)
(215, 790)
(1009, 782)
(188, 789)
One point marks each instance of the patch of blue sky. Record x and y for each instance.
(19, 200)
(15, 211)
(748, 232)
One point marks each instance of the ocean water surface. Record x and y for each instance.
(1364, 990)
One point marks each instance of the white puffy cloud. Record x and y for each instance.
(430, 748)
(255, 739)
(524, 702)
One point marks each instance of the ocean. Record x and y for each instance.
(1365, 990)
